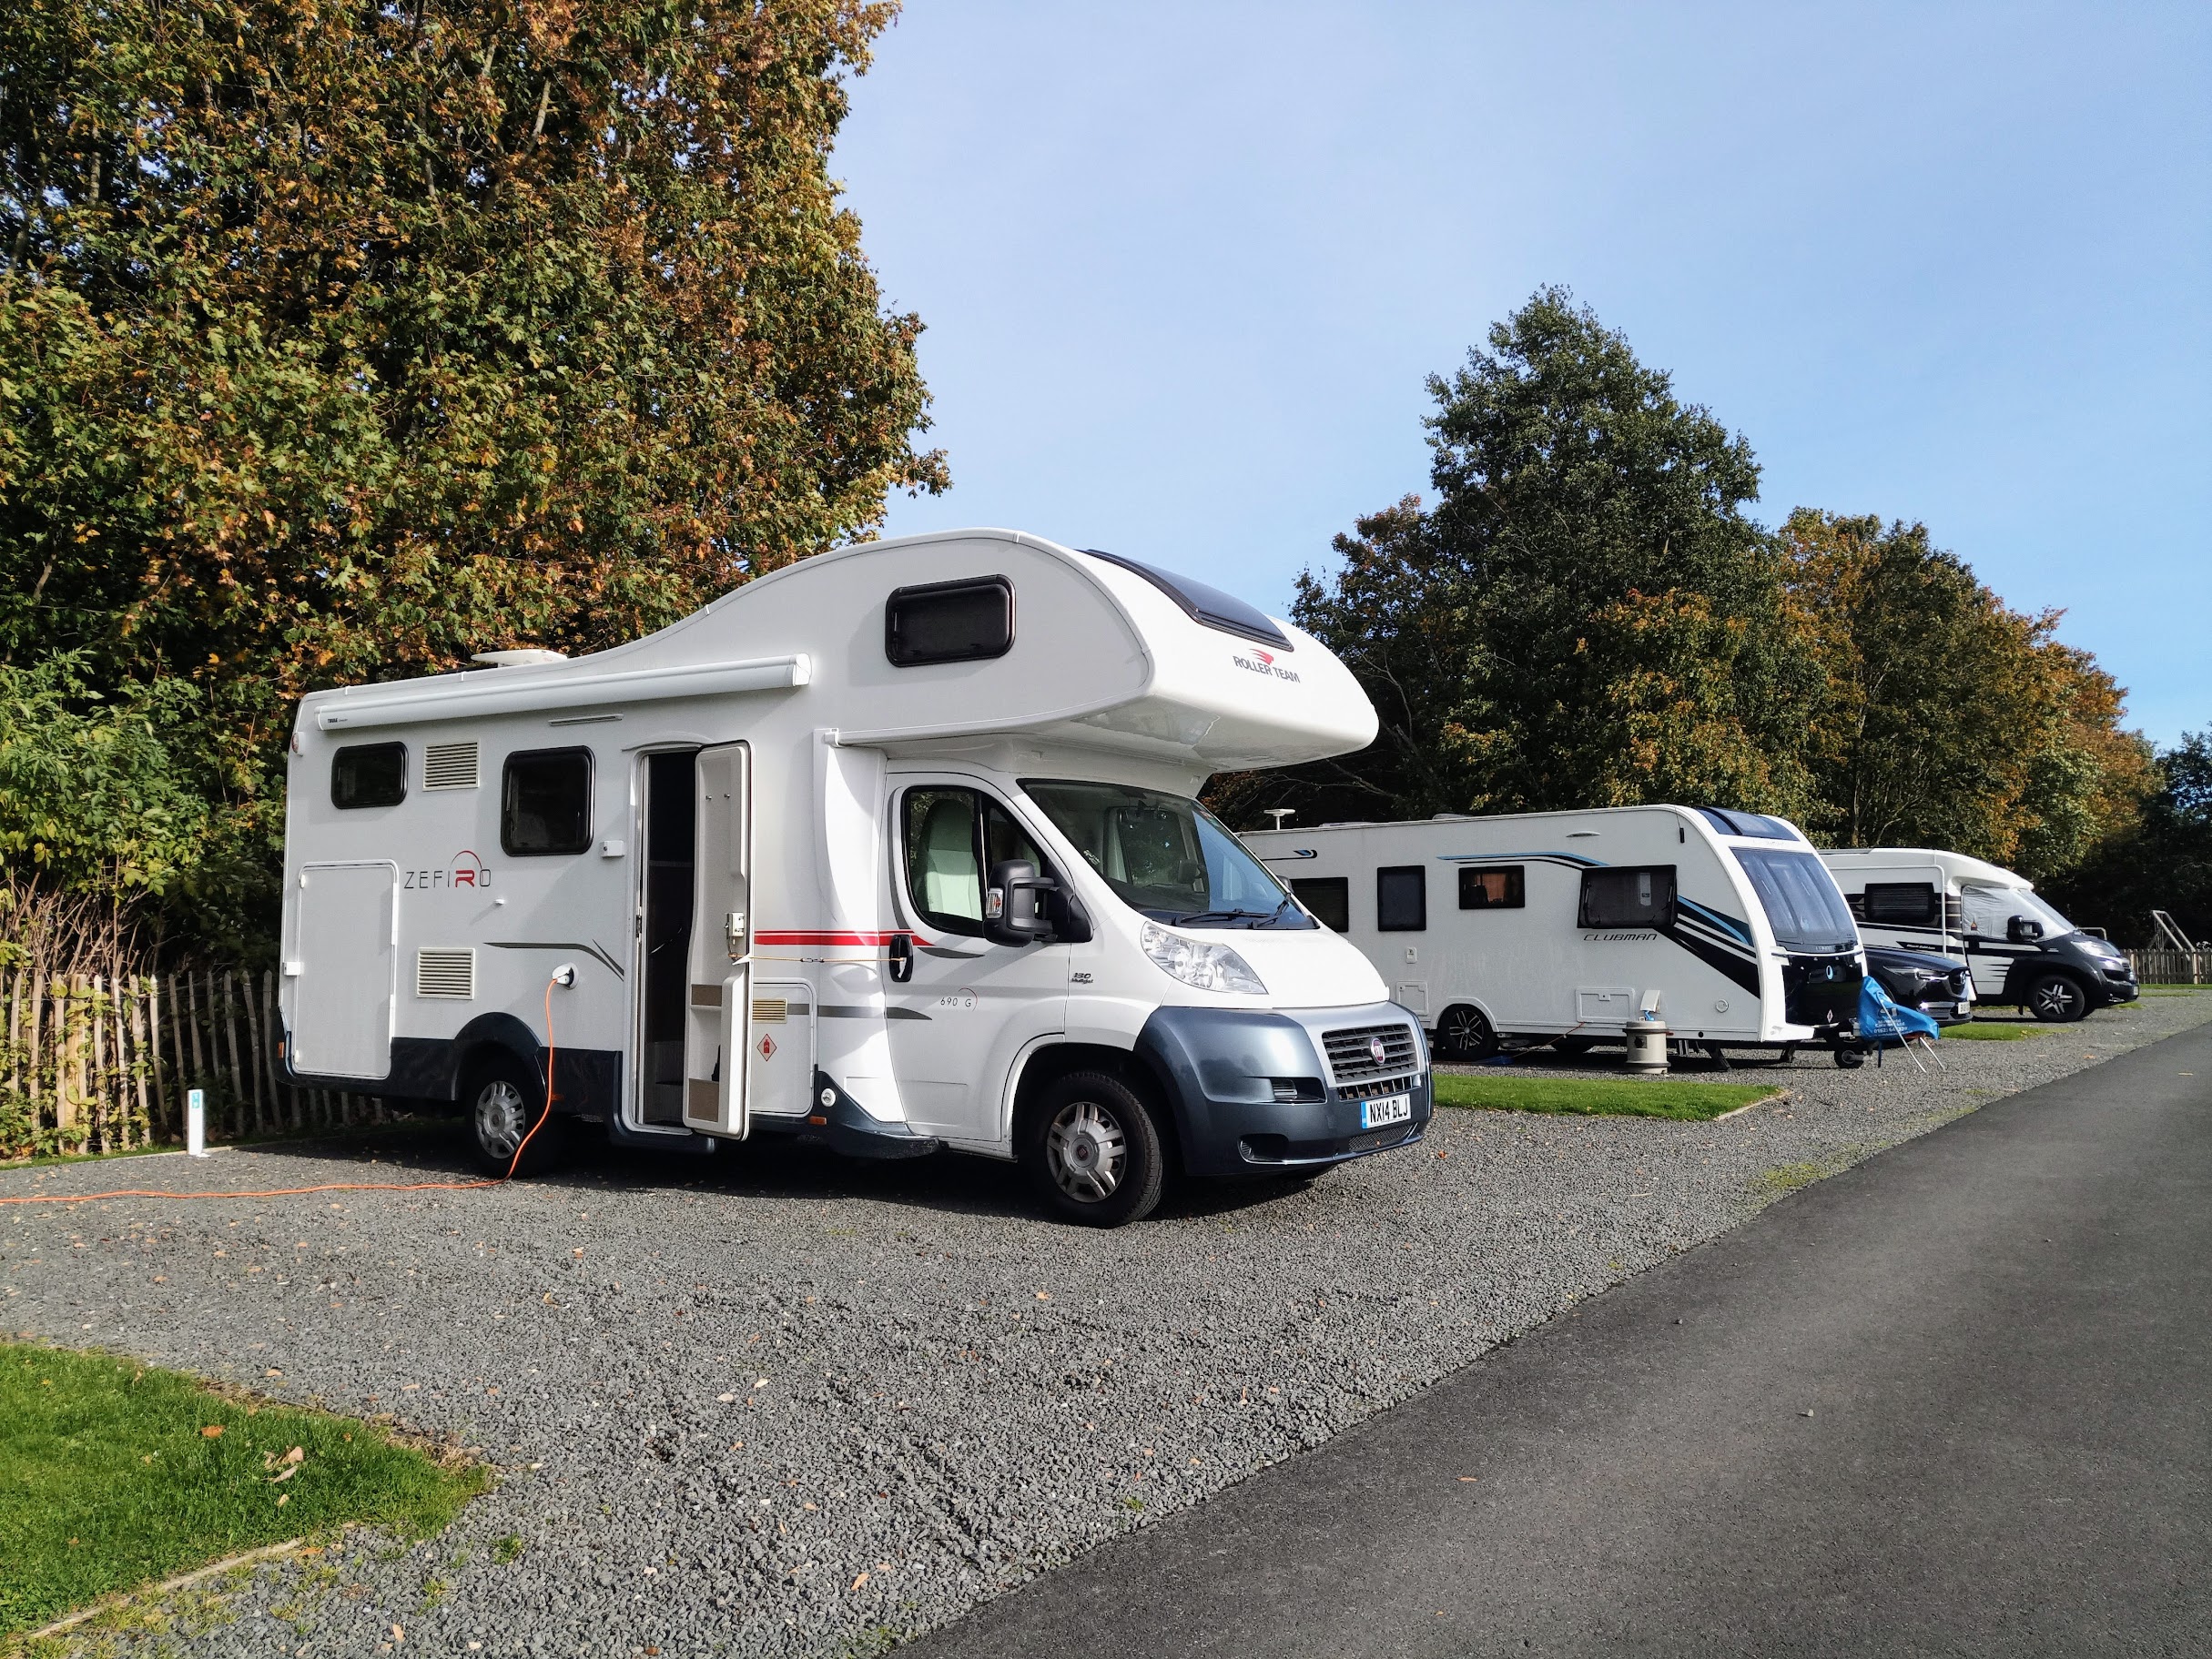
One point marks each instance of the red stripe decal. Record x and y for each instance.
(824, 937)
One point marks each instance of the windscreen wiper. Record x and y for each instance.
(1200, 917)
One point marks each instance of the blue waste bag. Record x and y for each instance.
(1882, 1021)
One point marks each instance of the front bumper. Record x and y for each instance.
(1252, 1091)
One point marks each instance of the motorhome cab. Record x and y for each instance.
(1723, 925)
(2020, 949)
(896, 848)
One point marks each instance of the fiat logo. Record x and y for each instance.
(1375, 1048)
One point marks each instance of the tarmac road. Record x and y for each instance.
(1956, 1400)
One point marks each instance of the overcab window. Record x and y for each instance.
(369, 775)
(545, 803)
(1628, 897)
(1329, 898)
(1499, 887)
(1401, 898)
(950, 621)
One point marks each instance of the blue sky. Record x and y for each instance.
(1184, 269)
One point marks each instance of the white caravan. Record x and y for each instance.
(895, 848)
(1724, 924)
(2019, 948)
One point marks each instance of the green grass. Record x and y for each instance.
(1991, 1031)
(109, 1479)
(1599, 1096)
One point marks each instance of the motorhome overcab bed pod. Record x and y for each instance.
(896, 848)
(2021, 951)
(1569, 924)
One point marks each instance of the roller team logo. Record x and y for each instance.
(1263, 662)
(466, 871)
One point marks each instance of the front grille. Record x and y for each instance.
(1374, 1089)
(1390, 1136)
(1352, 1058)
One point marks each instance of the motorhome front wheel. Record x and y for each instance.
(1093, 1151)
(2058, 998)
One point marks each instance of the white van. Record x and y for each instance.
(1724, 924)
(896, 848)
(2019, 949)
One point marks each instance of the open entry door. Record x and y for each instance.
(719, 1028)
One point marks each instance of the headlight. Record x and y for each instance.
(1209, 967)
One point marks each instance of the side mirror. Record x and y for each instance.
(2022, 930)
(1010, 912)
(898, 956)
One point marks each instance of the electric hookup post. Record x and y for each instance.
(195, 1123)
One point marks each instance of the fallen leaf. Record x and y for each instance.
(283, 1497)
(211, 1432)
(726, 1398)
(857, 1582)
(1044, 1295)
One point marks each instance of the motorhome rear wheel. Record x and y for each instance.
(1094, 1151)
(503, 1101)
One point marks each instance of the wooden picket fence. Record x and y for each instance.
(103, 1065)
(2171, 966)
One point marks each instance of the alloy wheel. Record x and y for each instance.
(501, 1118)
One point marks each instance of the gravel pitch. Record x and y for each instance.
(778, 1404)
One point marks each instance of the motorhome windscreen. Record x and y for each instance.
(1166, 856)
(1990, 911)
(1800, 900)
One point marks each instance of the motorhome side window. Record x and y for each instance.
(1628, 897)
(950, 621)
(1502, 887)
(1907, 904)
(1329, 898)
(1401, 899)
(952, 838)
(369, 775)
(545, 803)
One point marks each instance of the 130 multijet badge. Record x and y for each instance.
(467, 871)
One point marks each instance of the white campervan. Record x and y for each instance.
(896, 848)
(2019, 948)
(1567, 924)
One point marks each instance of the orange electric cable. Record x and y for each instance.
(552, 1051)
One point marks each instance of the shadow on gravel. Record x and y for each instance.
(776, 1170)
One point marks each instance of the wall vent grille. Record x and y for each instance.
(445, 973)
(449, 765)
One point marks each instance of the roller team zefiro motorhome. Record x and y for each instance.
(1567, 924)
(896, 848)
(2020, 950)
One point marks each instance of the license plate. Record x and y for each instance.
(1390, 1108)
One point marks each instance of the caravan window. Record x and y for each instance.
(1329, 898)
(369, 775)
(950, 621)
(1500, 888)
(545, 803)
(1630, 896)
(953, 836)
(1800, 897)
(1401, 898)
(1904, 903)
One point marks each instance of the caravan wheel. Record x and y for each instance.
(1093, 1152)
(1465, 1033)
(502, 1100)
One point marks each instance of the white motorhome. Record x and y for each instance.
(1567, 924)
(2019, 949)
(896, 848)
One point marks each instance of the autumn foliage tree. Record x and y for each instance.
(1947, 718)
(338, 342)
